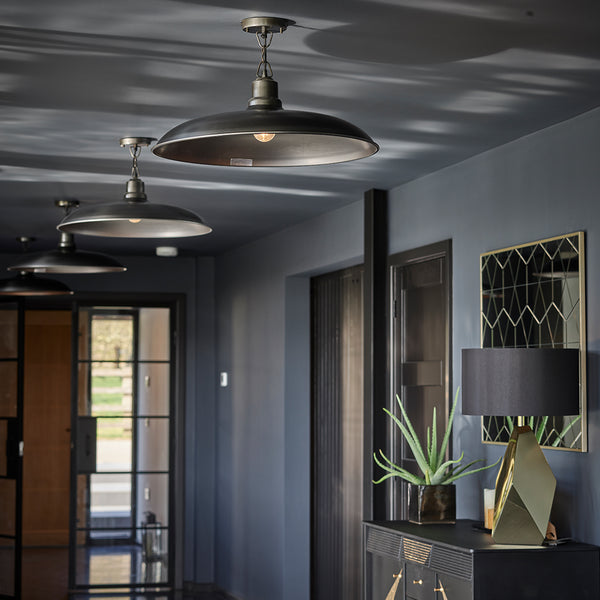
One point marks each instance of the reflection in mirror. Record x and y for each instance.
(533, 295)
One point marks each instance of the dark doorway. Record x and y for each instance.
(420, 284)
(337, 434)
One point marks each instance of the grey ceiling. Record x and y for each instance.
(432, 81)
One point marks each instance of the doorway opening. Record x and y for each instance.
(88, 446)
(337, 478)
(122, 472)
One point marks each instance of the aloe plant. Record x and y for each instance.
(430, 459)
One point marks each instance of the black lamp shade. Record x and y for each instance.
(520, 381)
(301, 139)
(134, 220)
(67, 261)
(27, 284)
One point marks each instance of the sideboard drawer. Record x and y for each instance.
(461, 562)
(420, 582)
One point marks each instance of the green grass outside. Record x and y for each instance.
(114, 429)
(102, 398)
(107, 381)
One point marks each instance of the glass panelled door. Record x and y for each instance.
(123, 459)
(11, 449)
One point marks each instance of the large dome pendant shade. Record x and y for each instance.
(67, 258)
(135, 217)
(28, 284)
(265, 135)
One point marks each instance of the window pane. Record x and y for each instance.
(113, 444)
(153, 498)
(111, 389)
(8, 492)
(153, 444)
(8, 389)
(110, 501)
(154, 334)
(111, 338)
(7, 567)
(9, 336)
(153, 389)
(115, 564)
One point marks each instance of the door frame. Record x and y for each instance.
(176, 304)
(397, 494)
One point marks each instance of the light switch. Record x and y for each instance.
(224, 379)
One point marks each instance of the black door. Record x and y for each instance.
(337, 434)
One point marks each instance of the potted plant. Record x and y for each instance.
(431, 495)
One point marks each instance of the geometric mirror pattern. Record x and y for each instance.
(533, 296)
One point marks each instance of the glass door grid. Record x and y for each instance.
(123, 480)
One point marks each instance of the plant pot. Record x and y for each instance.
(428, 504)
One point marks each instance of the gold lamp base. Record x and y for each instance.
(525, 489)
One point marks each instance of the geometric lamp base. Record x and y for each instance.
(524, 492)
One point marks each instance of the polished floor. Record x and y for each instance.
(45, 577)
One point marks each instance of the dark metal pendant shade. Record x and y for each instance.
(67, 260)
(300, 139)
(265, 135)
(134, 217)
(27, 284)
(134, 220)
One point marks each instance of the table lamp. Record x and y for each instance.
(525, 382)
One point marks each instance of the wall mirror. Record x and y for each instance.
(533, 295)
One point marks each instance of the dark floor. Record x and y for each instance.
(45, 577)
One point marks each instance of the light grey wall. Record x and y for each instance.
(263, 435)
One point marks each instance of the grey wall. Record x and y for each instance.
(263, 416)
(542, 185)
(539, 186)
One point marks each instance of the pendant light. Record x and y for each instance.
(265, 135)
(66, 258)
(134, 218)
(27, 284)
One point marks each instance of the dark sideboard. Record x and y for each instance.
(461, 562)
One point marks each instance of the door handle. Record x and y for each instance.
(86, 444)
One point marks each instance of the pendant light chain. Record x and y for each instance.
(135, 150)
(264, 40)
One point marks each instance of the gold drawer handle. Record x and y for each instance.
(442, 590)
(418, 581)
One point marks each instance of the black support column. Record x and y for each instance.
(376, 343)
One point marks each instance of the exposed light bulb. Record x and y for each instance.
(264, 137)
(134, 221)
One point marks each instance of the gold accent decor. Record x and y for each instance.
(416, 551)
(441, 590)
(533, 295)
(391, 595)
(524, 492)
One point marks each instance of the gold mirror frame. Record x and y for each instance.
(533, 295)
